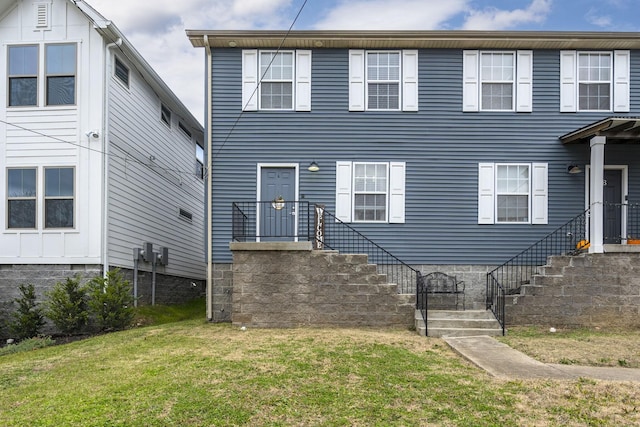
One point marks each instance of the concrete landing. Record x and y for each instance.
(502, 361)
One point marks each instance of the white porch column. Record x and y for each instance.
(597, 194)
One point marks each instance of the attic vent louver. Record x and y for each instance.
(42, 11)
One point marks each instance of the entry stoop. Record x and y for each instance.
(452, 323)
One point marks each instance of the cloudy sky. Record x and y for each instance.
(157, 27)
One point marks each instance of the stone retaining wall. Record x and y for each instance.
(289, 285)
(590, 290)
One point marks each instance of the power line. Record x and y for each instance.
(96, 150)
(235, 123)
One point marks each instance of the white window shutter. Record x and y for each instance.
(356, 80)
(539, 194)
(524, 91)
(410, 80)
(249, 80)
(621, 81)
(343, 191)
(486, 204)
(470, 81)
(396, 192)
(568, 81)
(303, 80)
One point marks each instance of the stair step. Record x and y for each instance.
(463, 332)
(458, 314)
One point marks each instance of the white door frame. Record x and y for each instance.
(259, 167)
(624, 195)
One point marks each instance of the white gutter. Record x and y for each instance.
(105, 157)
(209, 138)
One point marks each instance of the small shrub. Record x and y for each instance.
(5, 309)
(28, 319)
(111, 301)
(66, 306)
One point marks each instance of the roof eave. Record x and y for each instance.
(416, 39)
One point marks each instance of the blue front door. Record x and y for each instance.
(277, 204)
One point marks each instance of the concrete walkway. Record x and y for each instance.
(502, 361)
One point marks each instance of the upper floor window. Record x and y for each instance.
(276, 88)
(21, 198)
(184, 129)
(512, 193)
(60, 74)
(594, 81)
(165, 115)
(276, 80)
(23, 75)
(121, 71)
(370, 191)
(58, 197)
(383, 80)
(199, 161)
(497, 81)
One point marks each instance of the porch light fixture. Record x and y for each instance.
(574, 169)
(313, 167)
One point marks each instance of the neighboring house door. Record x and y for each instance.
(612, 206)
(277, 204)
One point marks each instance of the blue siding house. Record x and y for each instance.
(452, 150)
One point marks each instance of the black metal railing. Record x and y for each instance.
(271, 221)
(614, 214)
(570, 238)
(346, 239)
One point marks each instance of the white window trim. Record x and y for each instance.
(538, 193)
(359, 83)
(45, 79)
(522, 81)
(620, 81)
(301, 81)
(369, 81)
(263, 79)
(396, 192)
(74, 198)
(9, 198)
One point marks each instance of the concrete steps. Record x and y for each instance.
(453, 323)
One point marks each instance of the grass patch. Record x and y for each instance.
(160, 314)
(192, 373)
(27, 345)
(589, 347)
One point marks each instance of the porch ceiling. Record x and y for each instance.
(617, 130)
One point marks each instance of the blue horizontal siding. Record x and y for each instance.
(440, 144)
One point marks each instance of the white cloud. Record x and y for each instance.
(595, 18)
(496, 19)
(391, 15)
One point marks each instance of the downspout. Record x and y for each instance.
(105, 157)
(209, 186)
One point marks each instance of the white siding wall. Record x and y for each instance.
(152, 176)
(56, 137)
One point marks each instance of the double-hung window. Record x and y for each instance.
(512, 193)
(23, 75)
(370, 191)
(497, 80)
(276, 80)
(276, 72)
(59, 197)
(60, 74)
(383, 80)
(21, 198)
(594, 81)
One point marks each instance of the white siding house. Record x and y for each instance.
(97, 155)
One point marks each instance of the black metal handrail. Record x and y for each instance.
(271, 221)
(570, 238)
